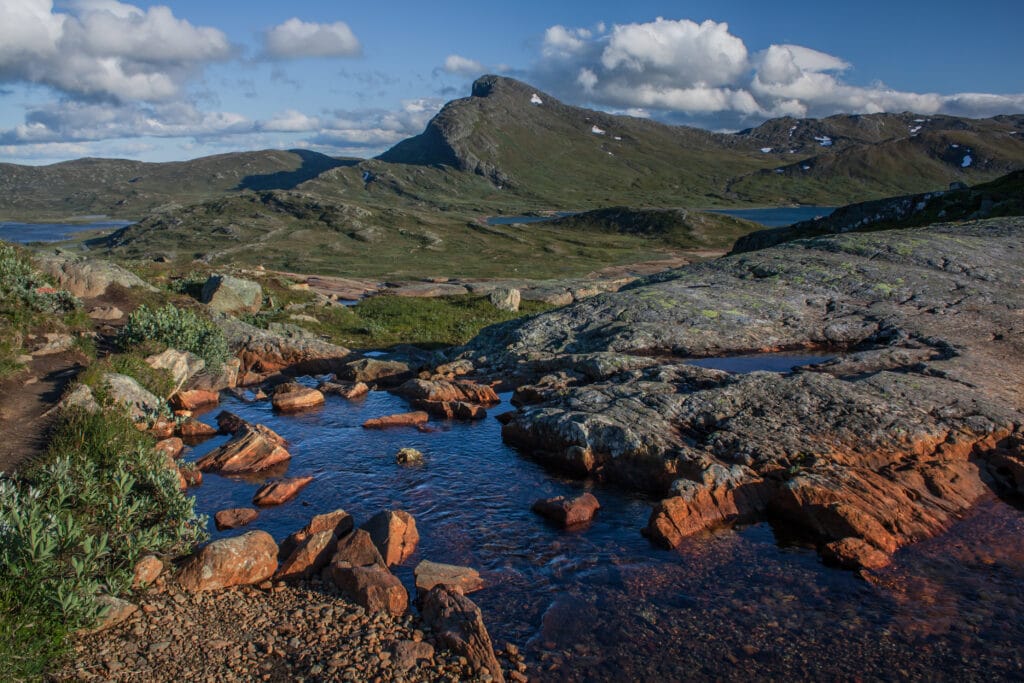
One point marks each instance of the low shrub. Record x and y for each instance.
(75, 524)
(175, 327)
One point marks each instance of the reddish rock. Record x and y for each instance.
(253, 449)
(193, 399)
(372, 587)
(449, 410)
(191, 476)
(192, 428)
(171, 447)
(458, 625)
(347, 390)
(394, 534)
(229, 423)
(309, 557)
(242, 560)
(278, 492)
(115, 612)
(147, 570)
(161, 429)
(854, 553)
(461, 579)
(566, 513)
(400, 420)
(338, 522)
(357, 550)
(443, 390)
(374, 371)
(293, 397)
(725, 495)
(408, 653)
(234, 518)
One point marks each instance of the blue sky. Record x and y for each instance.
(174, 81)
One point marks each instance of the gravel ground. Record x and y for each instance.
(279, 632)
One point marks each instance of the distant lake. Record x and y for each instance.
(780, 215)
(770, 218)
(509, 220)
(52, 232)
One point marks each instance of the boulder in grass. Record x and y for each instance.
(242, 560)
(505, 299)
(228, 294)
(146, 571)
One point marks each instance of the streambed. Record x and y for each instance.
(601, 603)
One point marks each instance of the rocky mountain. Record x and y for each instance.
(526, 141)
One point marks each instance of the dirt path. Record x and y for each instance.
(25, 400)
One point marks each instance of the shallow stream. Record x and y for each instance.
(601, 603)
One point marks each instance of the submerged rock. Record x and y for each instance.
(293, 397)
(279, 492)
(413, 419)
(568, 512)
(234, 518)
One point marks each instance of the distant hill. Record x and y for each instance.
(121, 187)
(511, 147)
(1001, 197)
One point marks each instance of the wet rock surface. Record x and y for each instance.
(885, 446)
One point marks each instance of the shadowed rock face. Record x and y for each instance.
(881, 447)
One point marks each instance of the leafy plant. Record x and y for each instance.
(175, 327)
(74, 525)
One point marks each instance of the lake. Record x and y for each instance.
(601, 603)
(771, 217)
(776, 217)
(52, 232)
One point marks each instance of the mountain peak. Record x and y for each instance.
(490, 84)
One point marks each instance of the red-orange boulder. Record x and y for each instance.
(400, 420)
(242, 560)
(278, 492)
(566, 513)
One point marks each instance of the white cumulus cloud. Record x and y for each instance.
(296, 38)
(457, 64)
(703, 73)
(104, 48)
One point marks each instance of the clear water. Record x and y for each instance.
(778, 216)
(771, 362)
(52, 232)
(601, 603)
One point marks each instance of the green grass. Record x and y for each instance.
(386, 320)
